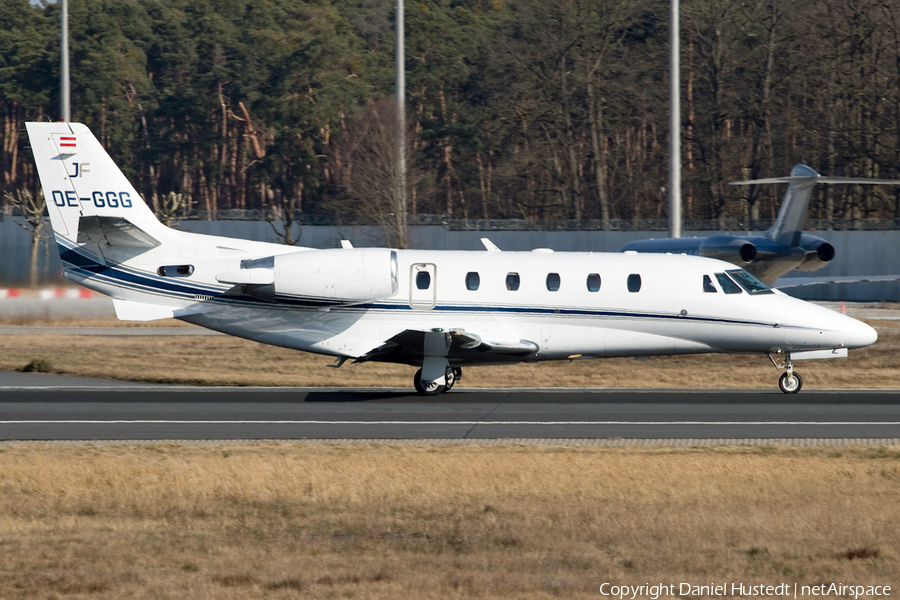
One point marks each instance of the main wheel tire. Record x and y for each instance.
(433, 390)
(790, 385)
(454, 375)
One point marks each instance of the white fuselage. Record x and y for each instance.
(670, 314)
(412, 306)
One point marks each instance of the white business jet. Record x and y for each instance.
(440, 310)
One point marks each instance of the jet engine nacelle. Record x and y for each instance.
(324, 276)
(345, 275)
(818, 253)
(728, 248)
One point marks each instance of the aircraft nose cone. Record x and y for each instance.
(851, 333)
(863, 335)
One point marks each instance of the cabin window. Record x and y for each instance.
(593, 282)
(749, 282)
(553, 282)
(512, 281)
(708, 286)
(423, 280)
(634, 283)
(175, 271)
(472, 281)
(728, 286)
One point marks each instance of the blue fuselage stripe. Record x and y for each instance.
(135, 280)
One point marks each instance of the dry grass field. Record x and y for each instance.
(233, 361)
(378, 521)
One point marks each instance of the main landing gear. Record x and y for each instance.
(438, 386)
(789, 382)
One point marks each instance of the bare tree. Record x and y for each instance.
(367, 170)
(34, 211)
(284, 211)
(167, 207)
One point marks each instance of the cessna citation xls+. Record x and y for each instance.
(440, 310)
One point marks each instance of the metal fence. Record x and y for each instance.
(452, 224)
(859, 253)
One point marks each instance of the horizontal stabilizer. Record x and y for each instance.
(794, 282)
(819, 179)
(113, 231)
(130, 310)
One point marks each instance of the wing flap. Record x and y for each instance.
(410, 343)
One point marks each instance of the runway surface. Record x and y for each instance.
(48, 407)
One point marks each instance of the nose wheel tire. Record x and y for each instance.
(790, 383)
(433, 389)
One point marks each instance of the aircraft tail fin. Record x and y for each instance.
(84, 187)
(789, 224)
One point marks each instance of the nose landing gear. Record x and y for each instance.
(789, 382)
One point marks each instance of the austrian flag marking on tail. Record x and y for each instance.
(67, 144)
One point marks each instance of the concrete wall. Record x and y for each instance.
(858, 252)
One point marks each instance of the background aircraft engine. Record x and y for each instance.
(728, 248)
(818, 253)
(342, 275)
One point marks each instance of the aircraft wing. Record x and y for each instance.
(410, 343)
(794, 282)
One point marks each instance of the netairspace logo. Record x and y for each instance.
(712, 590)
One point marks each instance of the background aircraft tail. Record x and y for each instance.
(86, 192)
(789, 224)
(792, 213)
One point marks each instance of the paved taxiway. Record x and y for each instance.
(47, 407)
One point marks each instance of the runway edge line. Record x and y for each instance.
(611, 443)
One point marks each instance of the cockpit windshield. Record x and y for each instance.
(750, 283)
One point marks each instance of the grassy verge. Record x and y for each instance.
(282, 520)
(233, 361)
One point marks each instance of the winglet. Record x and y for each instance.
(489, 245)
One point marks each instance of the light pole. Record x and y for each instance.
(64, 107)
(401, 121)
(674, 126)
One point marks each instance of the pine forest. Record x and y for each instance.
(538, 110)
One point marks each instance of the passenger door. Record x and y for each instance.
(423, 286)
